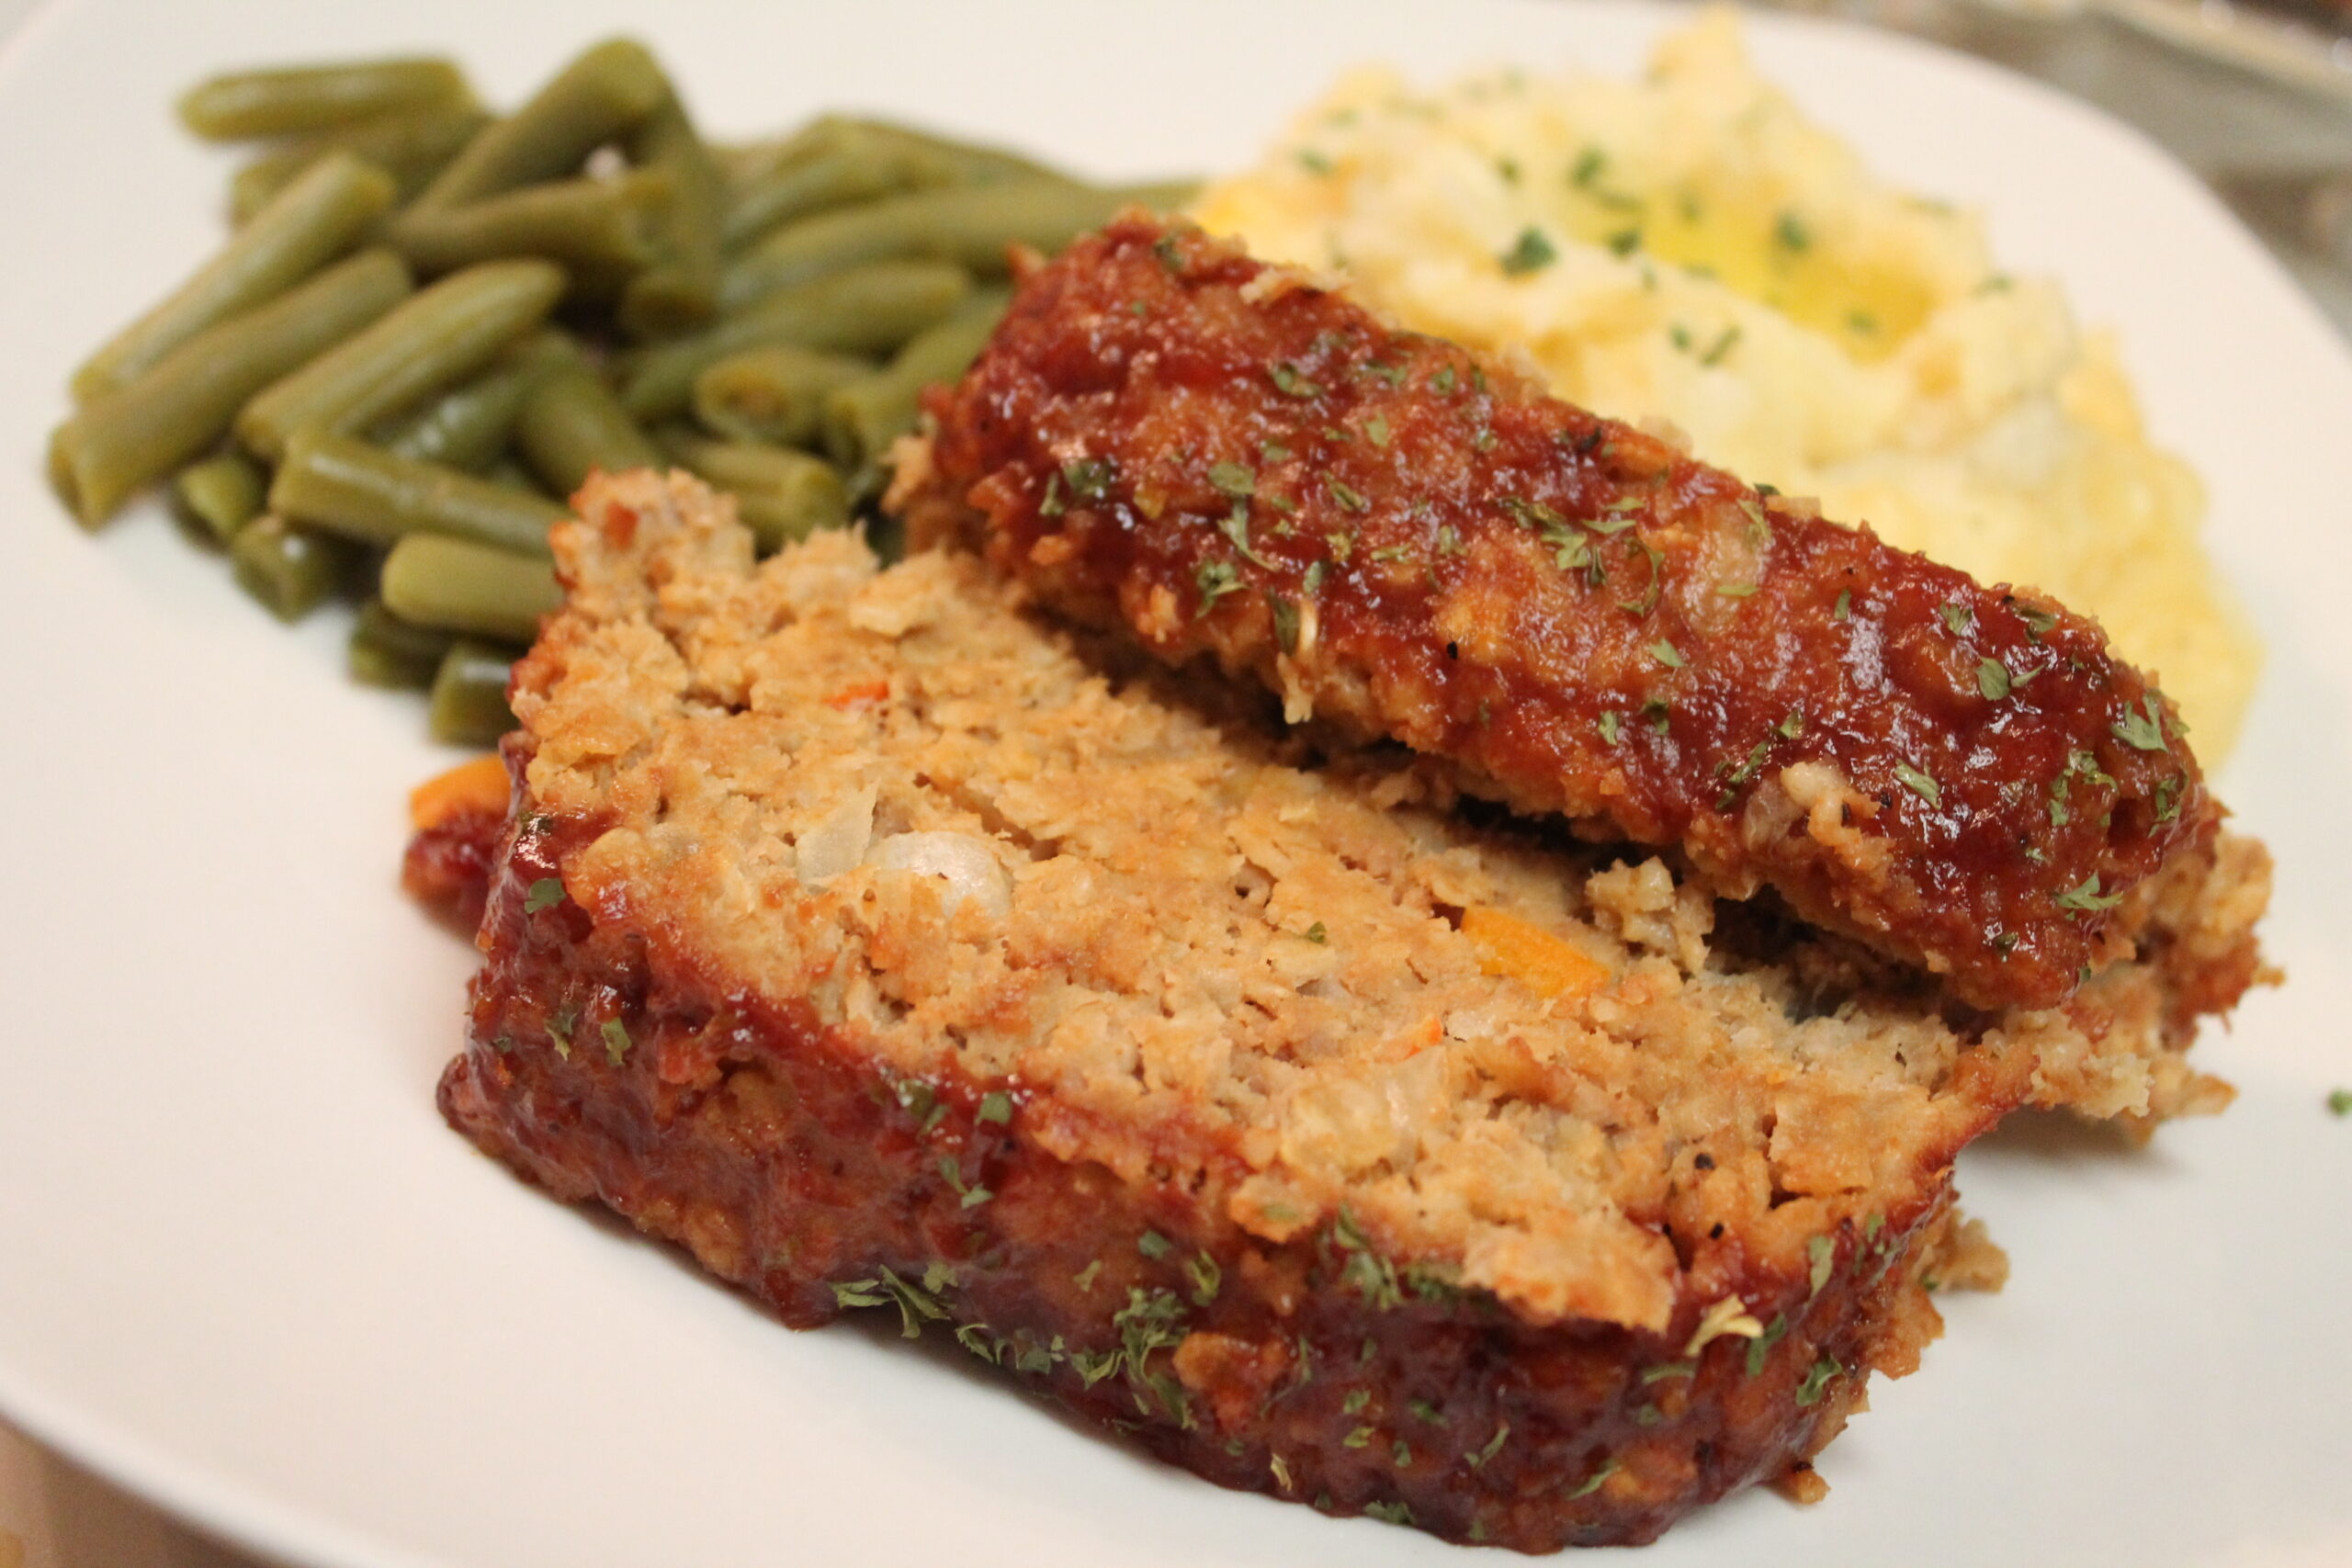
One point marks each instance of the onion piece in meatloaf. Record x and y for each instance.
(856, 930)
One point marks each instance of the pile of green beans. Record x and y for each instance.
(432, 322)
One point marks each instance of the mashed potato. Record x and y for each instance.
(1688, 248)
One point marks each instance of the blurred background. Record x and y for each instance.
(2257, 101)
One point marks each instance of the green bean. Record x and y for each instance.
(467, 428)
(442, 337)
(781, 495)
(120, 441)
(384, 650)
(469, 703)
(349, 488)
(600, 96)
(455, 586)
(771, 394)
(571, 425)
(969, 225)
(681, 290)
(292, 101)
(291, 571)
(515, 474)
(837, 161)
(863, 418)
(224, 493)
(310, 222)
(411, 145)
(602, 231)
(868, 309)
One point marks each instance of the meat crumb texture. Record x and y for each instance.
(888, 946)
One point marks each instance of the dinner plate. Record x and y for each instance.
(245, 1270)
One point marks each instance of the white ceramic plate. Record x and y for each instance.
(245, 1270)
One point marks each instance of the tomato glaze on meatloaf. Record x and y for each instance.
(1235, 461)
(854, 930)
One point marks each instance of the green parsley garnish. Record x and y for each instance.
(1761, 1346)
(1348, 498)
(1792, 234)
(996, 1106)
(1216, 579)
(1822, 1253)
(2339, 1101)
(560, 1029)
(1313, 581)
(1666, 1370)
(1919, 783)
(1090, 479)
(1391, 552)
(1285, 616)
(1609, 1467)
(2145, 730)
(1992, 679)
(1611, 726)
(2168, 797)
(2036, 622)
(1355, 1401)
(1666, 653)
(971, 1196)
(1360, 1437)
(1375, 430)
(1401, 1452)
(1442, 382)
(1084, 1279)
(1588, 166)
(1809, 1391)
(1169, 256)
(2087, 897)
(1792, 724)
(1153, 1245)
(1424, 1411)
(1723, 345)
(1398, 1513)
(1494, 1446)
(616, 1041)
(1233, 479)
(1844, 608)
(1658, 710)
(1532, 251)
(1648, 601)
(1625, 242)
(1314, 162)
(1206, 1276)
(1956, 617)
(546, 893)
(1737, 590)
(1449, 541)
(1316, 934)
(1394, 375)
(1290, 383)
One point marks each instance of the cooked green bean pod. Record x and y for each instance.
(600, 97)
(571, 425)
(311, 222)
(363, 493)
(867, 309)
(121, 441)
(411, 145)
(224, 493)
(294, 101)
(384, 650)
(838, 161)
(450, 584)
(601, 232)
(774, 394)
(440, 337)
(291, 571)
(971, 226)
(468, 703)
(469, 427)
(863, 418)
(781, 495)
(681, 290)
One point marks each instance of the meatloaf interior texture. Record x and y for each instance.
(884, 944)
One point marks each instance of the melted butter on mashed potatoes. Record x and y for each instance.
(1688, 248)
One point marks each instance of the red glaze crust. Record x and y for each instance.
(1227, 460)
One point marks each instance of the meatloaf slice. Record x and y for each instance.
(856, 930)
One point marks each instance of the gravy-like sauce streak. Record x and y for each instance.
(1228, 459)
